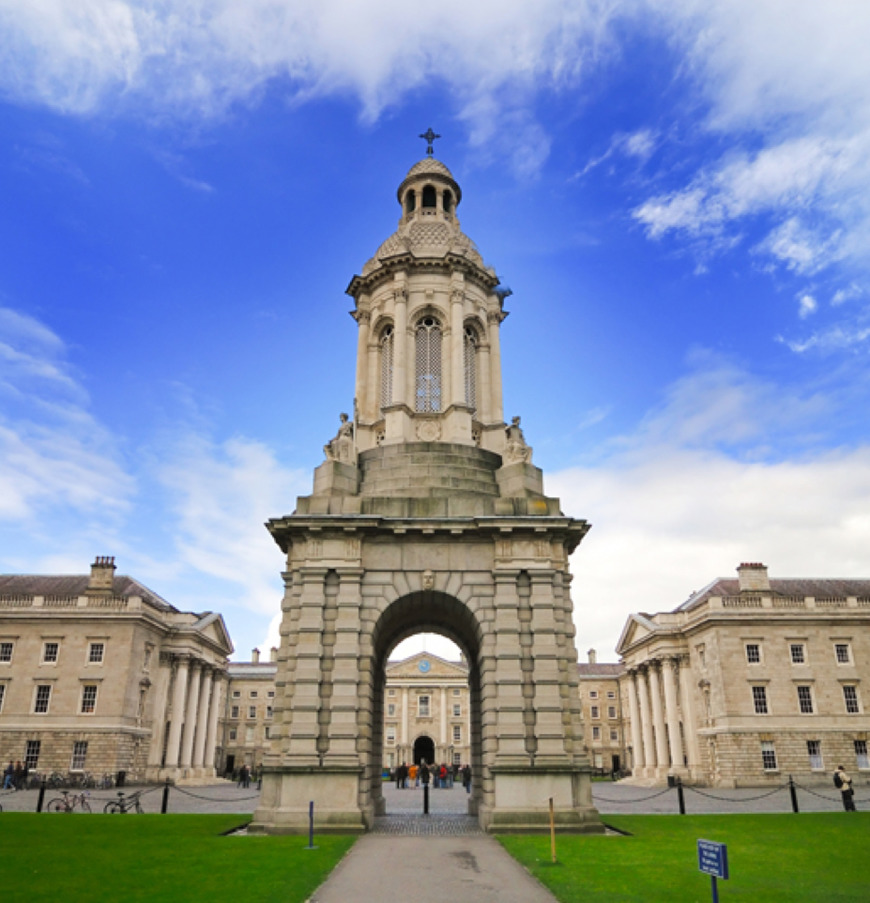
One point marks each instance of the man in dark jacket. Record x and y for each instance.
(844, 782)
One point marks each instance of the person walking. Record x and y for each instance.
(843, 782)
(8, 776)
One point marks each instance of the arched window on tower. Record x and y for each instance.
(386, 349)
(429, 197)
(427, 339)
(448, 202)
(470, 342)
(410, 201)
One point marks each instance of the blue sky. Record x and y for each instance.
(678, 194)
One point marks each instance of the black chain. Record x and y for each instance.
(215, 799)
(745, 799)
(636, 799)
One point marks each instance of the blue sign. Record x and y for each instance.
(713, 858)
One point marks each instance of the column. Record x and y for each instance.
(179, 694)
(401, 341)
(494, 321)
(484, 390)
(655, 692)
(444, 738)
(404, 716)
(690, 721)
(205, 686)
(638, 760)
(675, 744)
(457, 366)
(649, 753)
(190, 716)
(213, 715)
(364, 388)
(160, 704)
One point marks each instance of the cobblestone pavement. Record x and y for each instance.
(405, 807)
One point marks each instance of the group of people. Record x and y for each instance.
(441, 776)
(14, 776)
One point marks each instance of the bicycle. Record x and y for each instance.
(69, 802)
(124, 804)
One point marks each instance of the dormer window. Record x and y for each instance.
(429, 196)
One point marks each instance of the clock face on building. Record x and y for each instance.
(424, 666)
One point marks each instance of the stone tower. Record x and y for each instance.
(427, 515)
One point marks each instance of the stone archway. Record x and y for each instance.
(424, 750)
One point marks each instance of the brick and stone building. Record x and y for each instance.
(602, 706)
(751, 680)
(427, 516)
(98, 673)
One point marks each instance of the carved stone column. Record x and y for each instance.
(638, 760)
(655, 692)
(366, 403)
(401, 342)
(649, 753)
(457, 339)
(158, 719)
(675, 743)
(190, 716)
(205, 687)
(214, 711)
(494, 322)
(179, 695)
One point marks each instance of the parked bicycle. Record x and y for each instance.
(69, 802)
(124, 804)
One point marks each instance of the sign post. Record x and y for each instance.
(713, 861)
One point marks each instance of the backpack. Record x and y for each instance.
(838, 781)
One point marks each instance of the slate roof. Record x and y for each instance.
(75, 585)
(603, 669)
(819, 588)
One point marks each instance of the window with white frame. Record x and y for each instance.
(252, 711)
(611, 694)
(80, 753)
(594, 711)
(457, 691)
(593, 694)
(798, 653)
(42, 699)
(391, 692)
(768, 755)
(267, 732)
(269, 711)
(842, 653)
(814, 751)
(233, 733)
(249, 735)
(611, 711)
(96, 652)
(237, 694)
(457, 710)
(253, 694)
(614, 736)
(753, 653)
(50, 652)
(234, 711)
(6, 652)
(391, 734)
(422, 706)
(457, 733)
(861, 754)
(805, 699)
(596, 732)
(271, 694)
(759, 700)
(457, 758)
(427, 344)
(850, 697)
(89, 699)
(391, 709)
(31, 754)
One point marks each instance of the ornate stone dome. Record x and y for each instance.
(429, 165)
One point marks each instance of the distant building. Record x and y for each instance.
(602, 707)
(751, 680)
(99, 674)
(247, 719)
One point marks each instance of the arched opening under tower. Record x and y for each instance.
(414, 716)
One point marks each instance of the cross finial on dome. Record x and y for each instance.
(429, 136)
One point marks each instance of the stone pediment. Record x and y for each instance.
(425, 666)
(636, 628)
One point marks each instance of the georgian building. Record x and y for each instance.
(100, 674)
(602, 706)
(751, 680)
(427, 712)
(246, 723)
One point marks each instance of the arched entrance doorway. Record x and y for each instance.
(424, 750)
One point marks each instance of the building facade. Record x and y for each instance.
(246, 722)
(751, 680)
(601, 703)
(100, 674)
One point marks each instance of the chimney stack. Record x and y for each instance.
(255, 656)
(102, 575)
(753, 578)
(273, 654)
(593, 657)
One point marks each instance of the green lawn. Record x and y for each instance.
(75, 858)
(812, 858)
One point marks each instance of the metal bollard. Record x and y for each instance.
(680, 797)
(425, 799)
(165, 804)
(41, 796)
(793, 791)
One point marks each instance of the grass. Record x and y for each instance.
(820, 858)
(135, 858)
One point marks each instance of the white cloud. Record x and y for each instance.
(220, 496)
(807, 305)
(674, 504)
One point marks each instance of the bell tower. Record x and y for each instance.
(427, 515)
